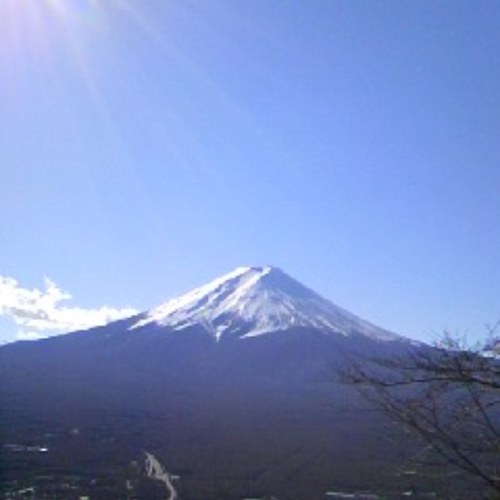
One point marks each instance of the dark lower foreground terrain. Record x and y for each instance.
(257, 419)
(238, 452)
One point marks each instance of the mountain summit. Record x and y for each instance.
(251, 301)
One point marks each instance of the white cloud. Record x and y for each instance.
(22, 335)
(39, 313)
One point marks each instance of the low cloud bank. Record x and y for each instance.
(39, 313)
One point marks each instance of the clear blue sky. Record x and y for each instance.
(148, 146)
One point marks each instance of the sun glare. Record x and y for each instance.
(66, 49)
(32, 31)
(49, 37)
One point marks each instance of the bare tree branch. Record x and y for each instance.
(449, 396)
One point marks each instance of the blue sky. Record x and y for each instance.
(150, 146)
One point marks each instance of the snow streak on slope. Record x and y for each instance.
(255, 300)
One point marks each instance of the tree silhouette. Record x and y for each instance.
(449, 397)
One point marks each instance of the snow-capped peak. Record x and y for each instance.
(251, 301)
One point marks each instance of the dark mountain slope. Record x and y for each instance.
(234, 386)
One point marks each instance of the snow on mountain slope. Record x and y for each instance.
(252, 301)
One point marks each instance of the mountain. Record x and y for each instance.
(234, 386)
(252, 301)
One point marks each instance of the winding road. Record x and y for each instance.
(155, 470)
